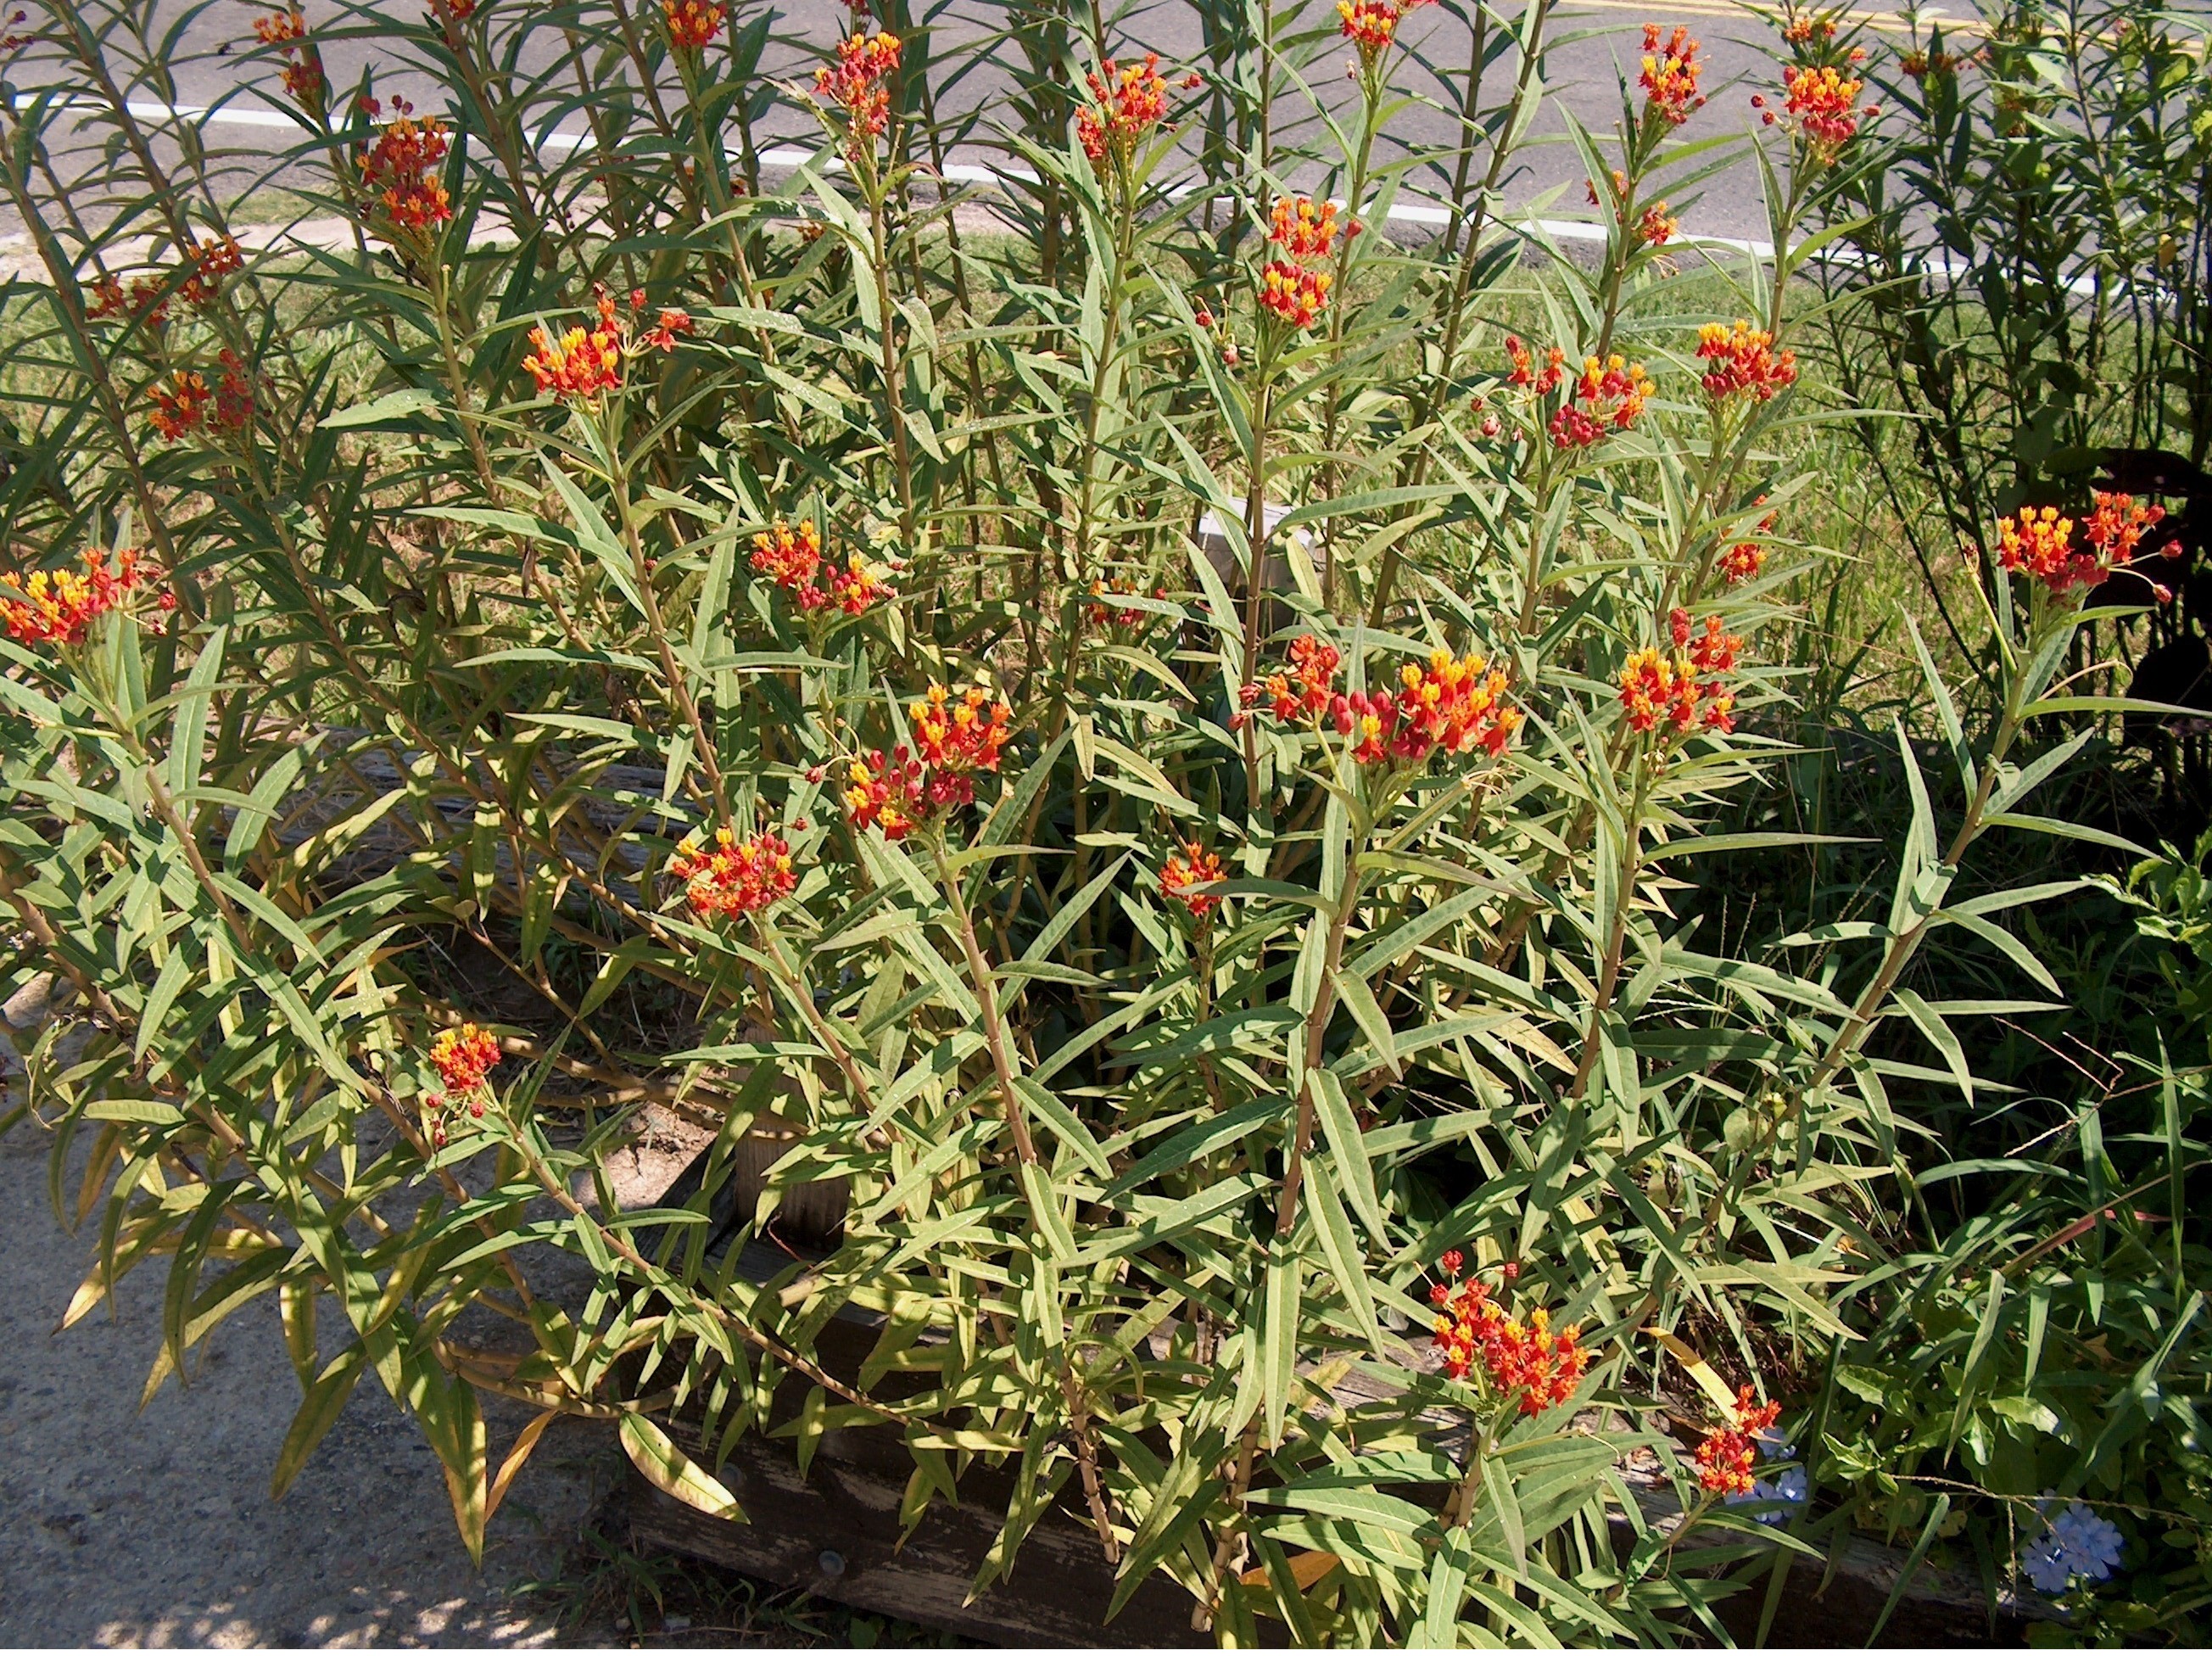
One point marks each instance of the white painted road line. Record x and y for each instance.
(791, 157)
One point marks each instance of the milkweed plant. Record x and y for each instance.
(1119, 711)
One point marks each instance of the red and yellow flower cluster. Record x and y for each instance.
(179, 405)
(737, 877)
(181, 402)
(1605, 398)
(581, 364)
(60, 607)
(1921, 65)
(400, 170)
(1670, 74)
(2040, 544)
(287, 30)
(1819, 106)
(1372, 25)
(1127, 101)
(792, 557)
(1520, 1361)
(1656, 228)
(1744, 560)
(1303, 233)
(1452, 705)
(1728, 1454)
(855, 83)
(1101, 613)
(1685, 691)
(1743, 361)
(1525, 374)
(955, 736)
(693, 24)
(463, 1058)
(1182, 874)
(146, 298)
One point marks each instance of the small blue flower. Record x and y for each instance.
(2076, 1544)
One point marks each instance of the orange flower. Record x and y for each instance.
(1521, 1361)
(1670, 76)
(1450, 706)
(1297, 296)
(1180, 875)
(1313, 666)
(855, 84)
(860, 586)
(886, 789)
(693, 24)
(1665, 694)
(1803, 30)
(1524, 368)
(1921, 65)
(735, 878)
(2039, 542)
(180, 405)
(662, 334)
(1726, 1457)
(2116, 528)
(1656, 228)
(58, 608)
(1607, 396)
(579, 364)
(1304, 230)
(1743, 561)
(399, 171)
(1100, 613)
(1685, 692)
(1128, 100)
(1743, 359)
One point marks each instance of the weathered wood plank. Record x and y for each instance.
(836, 1533)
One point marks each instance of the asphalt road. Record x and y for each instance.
(212, 62)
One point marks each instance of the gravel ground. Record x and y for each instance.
(121, 1525)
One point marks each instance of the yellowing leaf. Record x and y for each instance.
(1712, 1384)
(669, 1470)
